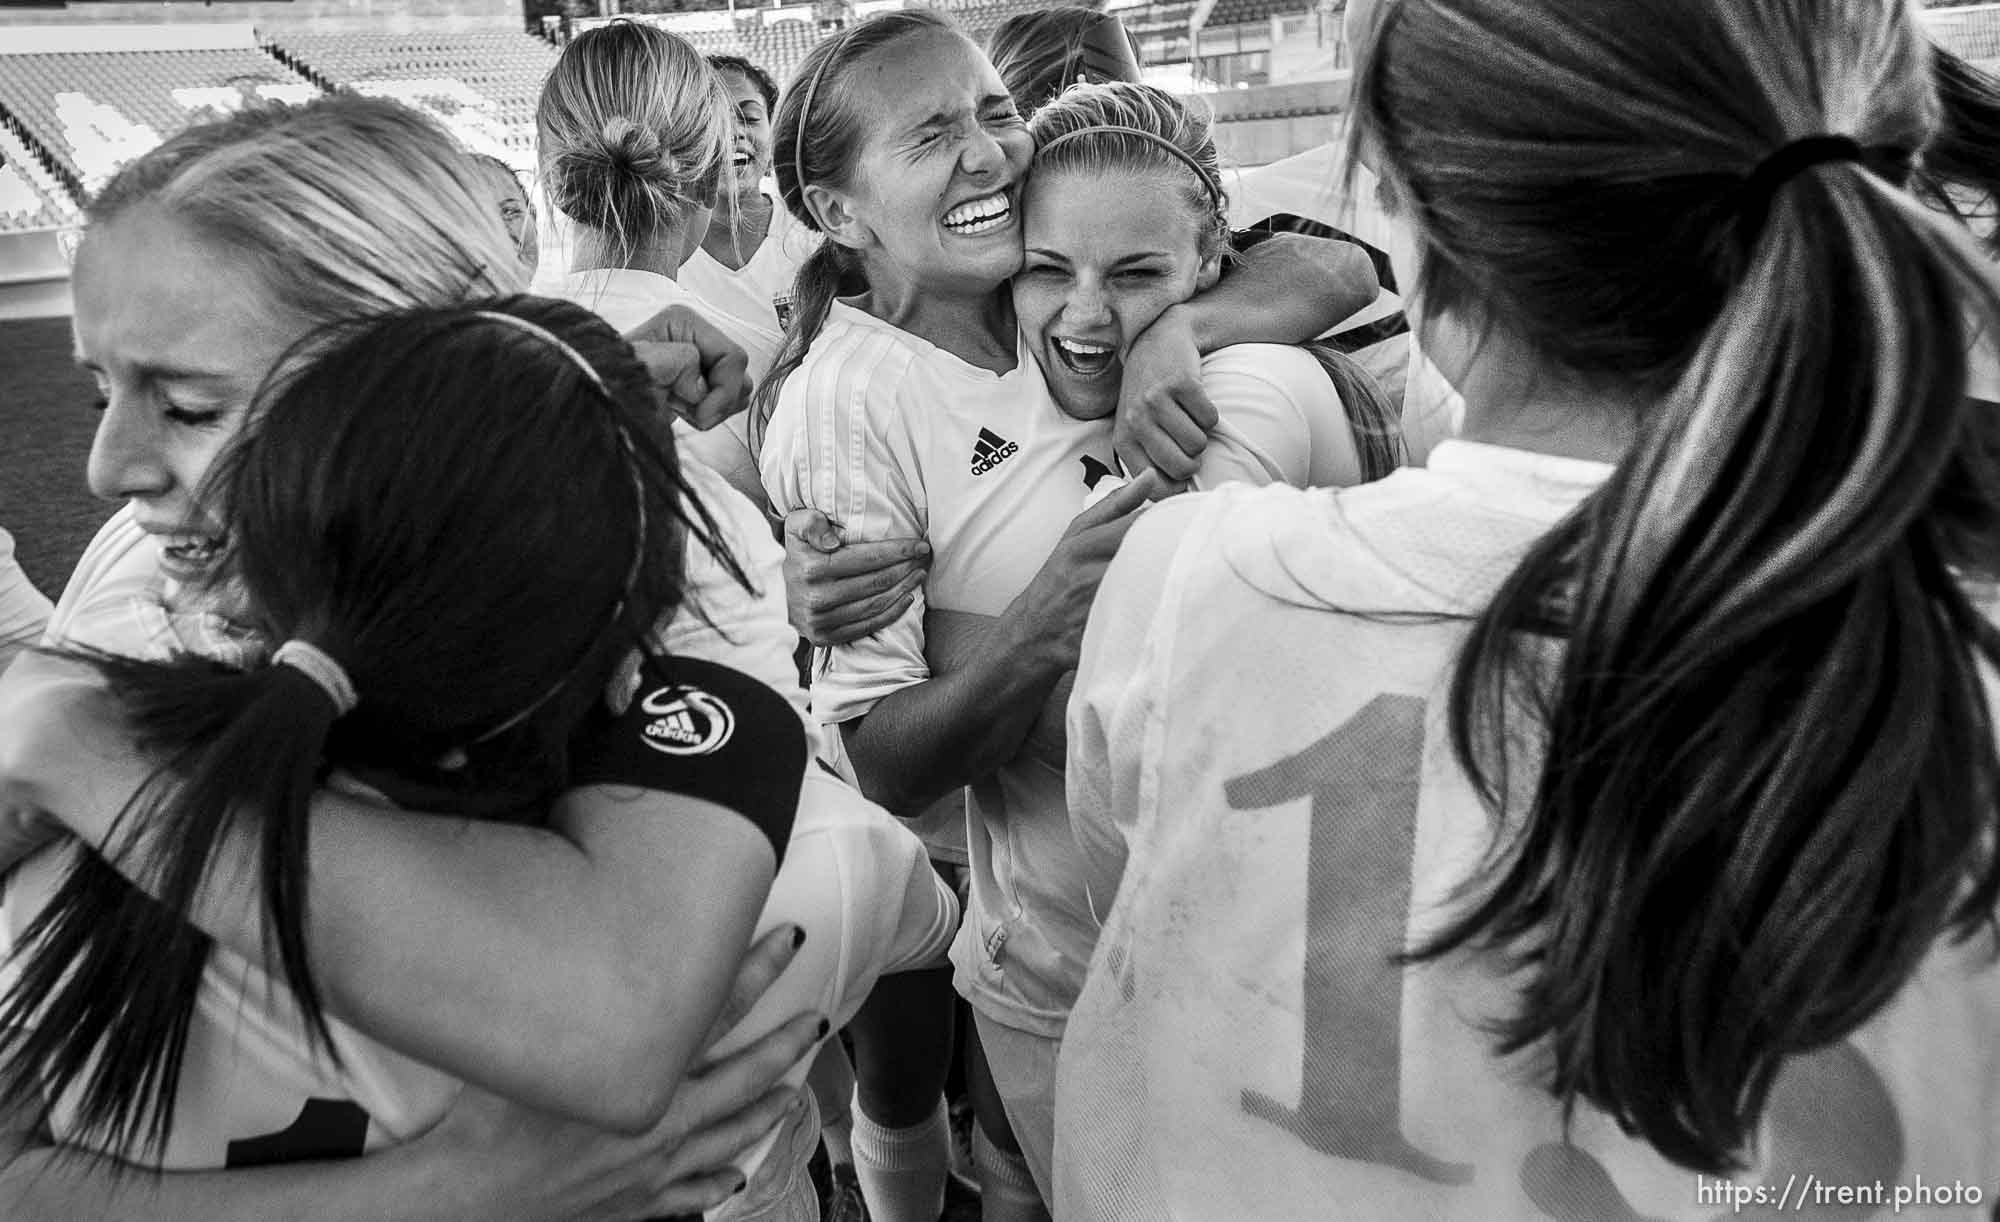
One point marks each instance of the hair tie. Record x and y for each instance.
(1761, 186)
(319, 666)
(548, 337)
(1794, 158)
(1172, 149)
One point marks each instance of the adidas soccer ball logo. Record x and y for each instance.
(686, 721)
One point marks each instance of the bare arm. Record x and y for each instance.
(633, 910)
(1284, 290)
(1287, 289)
(487, 1160)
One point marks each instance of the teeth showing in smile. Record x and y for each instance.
(1082, 356)
(191, 549)
(979, 215)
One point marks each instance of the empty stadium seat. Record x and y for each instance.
(94, 111)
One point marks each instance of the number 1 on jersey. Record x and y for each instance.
(1363, 779)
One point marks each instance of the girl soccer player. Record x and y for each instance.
(1123, 217)
(180, 317)
(635, 134)
(753, 247)
(388, 480)
(1601, 822)
(517, 211)
(913, 407)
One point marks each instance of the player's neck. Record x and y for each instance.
(978, 329)
(738, 229)
(661, 255)
(1514, 399)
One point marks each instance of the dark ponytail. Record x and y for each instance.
(475, 514)
(108, 968)
(1746, 671)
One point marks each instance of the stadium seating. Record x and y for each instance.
(30, 197)
(1970, 33)
(1246, 12)
(778, 47)
(482, 83)
(93, 111)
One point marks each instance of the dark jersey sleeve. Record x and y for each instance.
(706, 731)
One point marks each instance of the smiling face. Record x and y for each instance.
(519, 212)
(1107, 252)
(178, 333)
(750, 155)
(933, 200)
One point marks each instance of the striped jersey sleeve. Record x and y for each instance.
(843, 440)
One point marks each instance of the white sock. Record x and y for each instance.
(1006, 1186)
(902, 1170)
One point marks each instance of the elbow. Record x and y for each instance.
(1354, 283)
(633, 1108)
(882, 787)
(637, 1079)
(630, 1046)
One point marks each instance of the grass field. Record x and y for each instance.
(45, 426)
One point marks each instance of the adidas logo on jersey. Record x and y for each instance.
(989, 450)
(686, 721)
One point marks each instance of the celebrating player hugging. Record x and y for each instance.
(930, 684)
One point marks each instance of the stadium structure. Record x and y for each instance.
(88, 85)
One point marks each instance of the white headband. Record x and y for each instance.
(548, 337)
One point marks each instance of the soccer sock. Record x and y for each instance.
(1006, 1186)
(902, 1170)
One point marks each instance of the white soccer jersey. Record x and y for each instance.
(1280, 421)
(753, 291)
(253, 1091)
(890, 436)
(1268, 769)
(24, 612)
(625, 298)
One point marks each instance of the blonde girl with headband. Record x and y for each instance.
(635, 132)
(911, 407)
(1123, 217)
(181, 312)
(1600, 822)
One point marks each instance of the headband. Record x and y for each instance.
(1174, 150)
(319, 666)
(548, 337)
(799, 137)
(638, 495)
